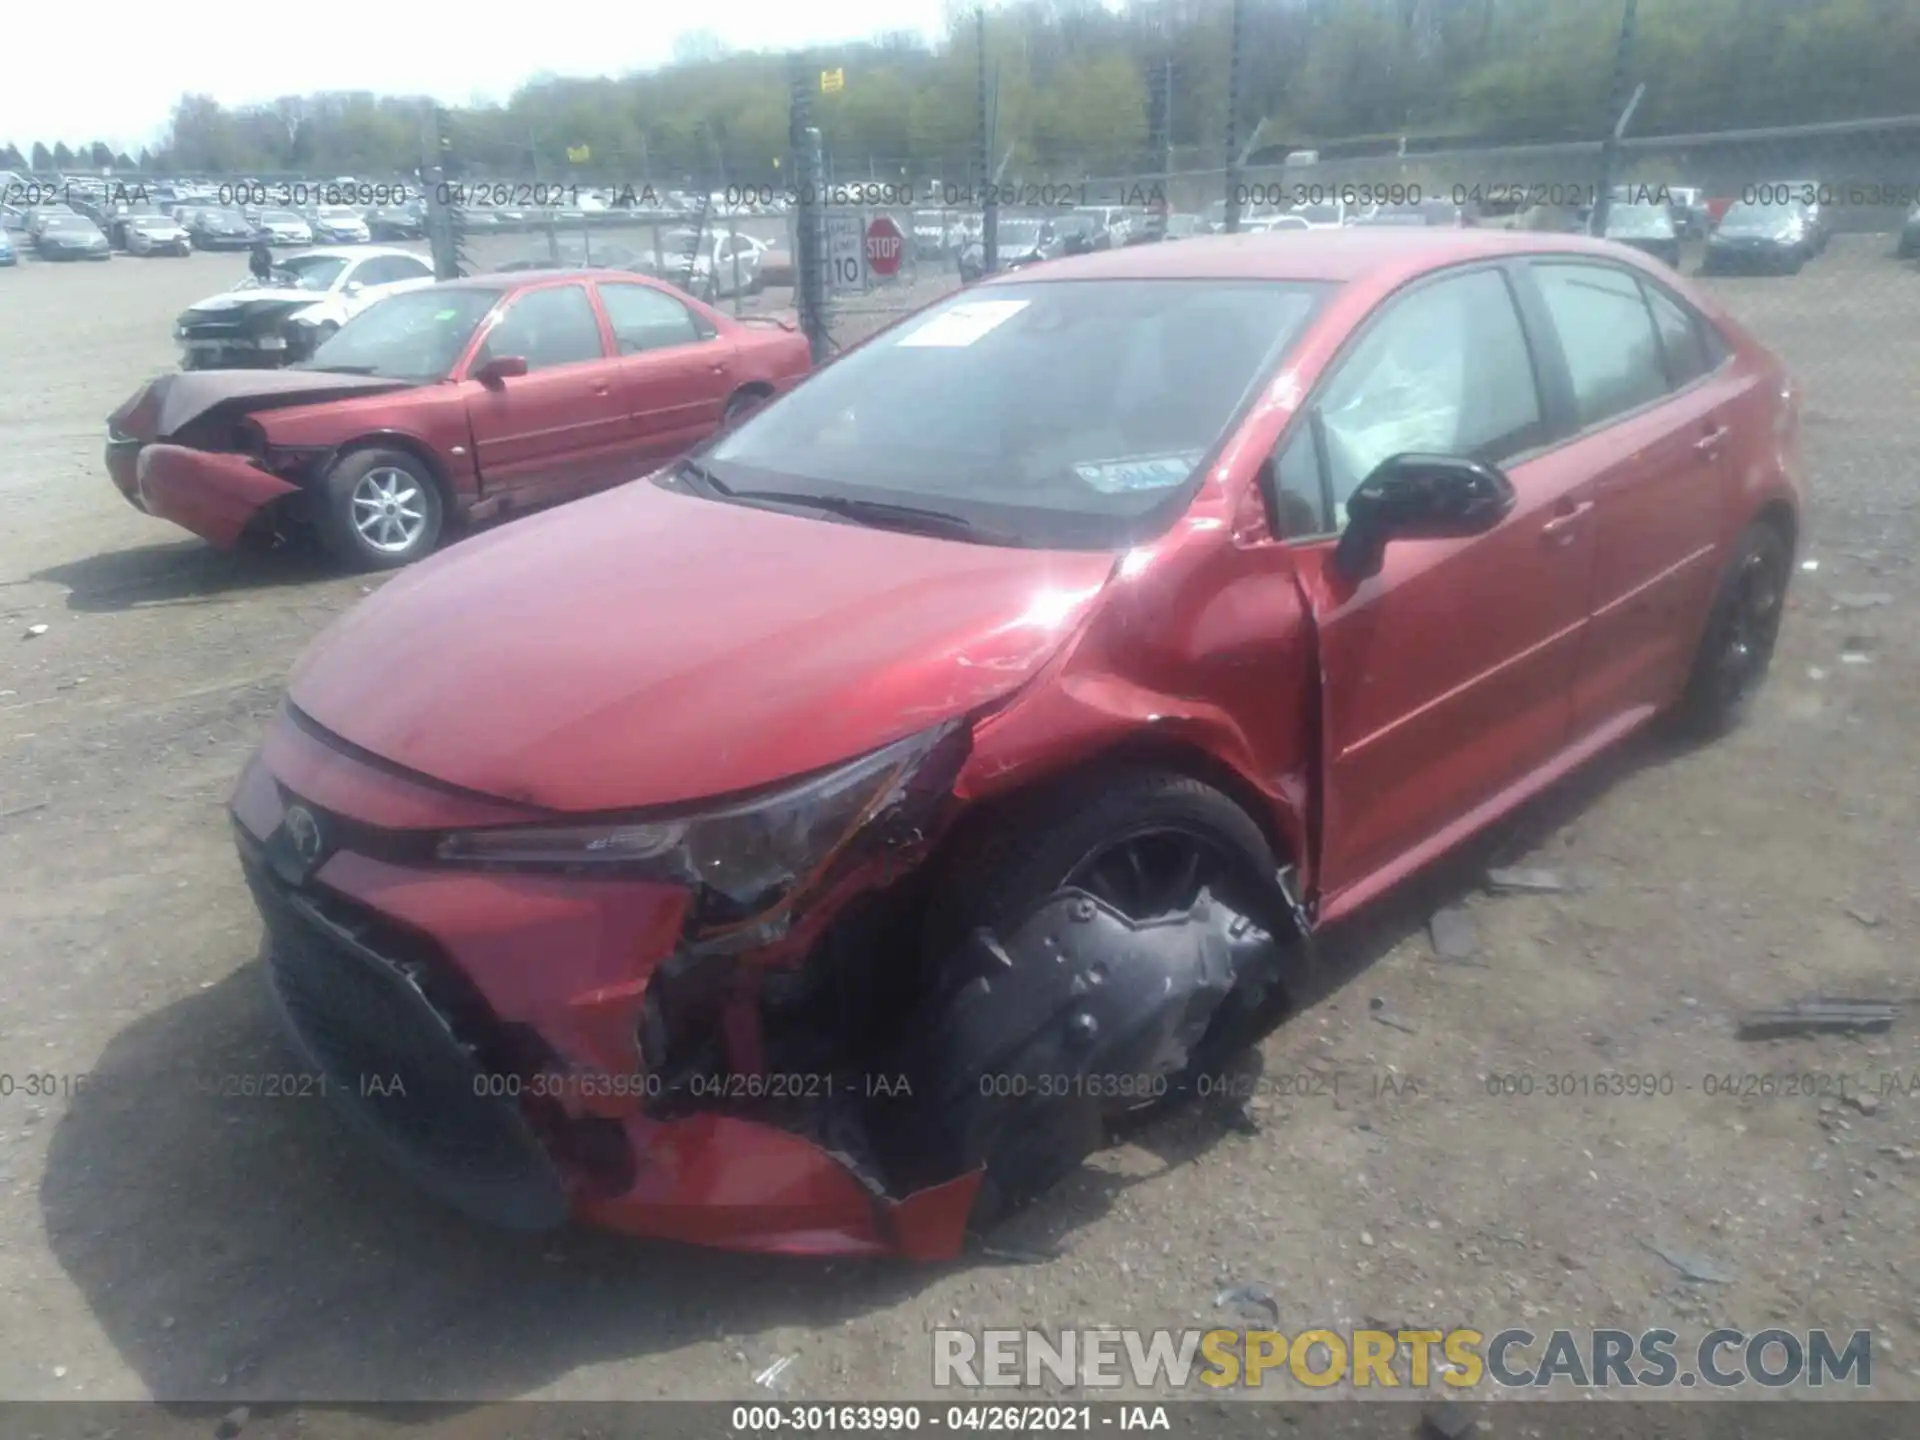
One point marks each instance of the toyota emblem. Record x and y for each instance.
(303, 833)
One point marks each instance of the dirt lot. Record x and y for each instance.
(156, 1240)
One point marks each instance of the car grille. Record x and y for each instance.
(395, 1065)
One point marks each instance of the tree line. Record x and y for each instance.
(1076, 92)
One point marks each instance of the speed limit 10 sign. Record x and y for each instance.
(846, 253)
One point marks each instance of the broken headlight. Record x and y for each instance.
(747, 857)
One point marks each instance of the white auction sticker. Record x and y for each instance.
(964, 324)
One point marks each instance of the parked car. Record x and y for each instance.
(286, 318)
(1183, 226)
(1775, 238)
(451, 403)
(215, 228)
(70, 237)
(1806, 194)
(1688, 204)
(1443, 214)
(338, 225)
(38, 217)
(1110, 225)
(284, 227)
(1326, 215)
(397, 222)
(1268, 222)
(1001, 703)
(1646, 227)
(938, 234)
(1908, 245)
(8, 255)
(1018, 241)
(155, 234)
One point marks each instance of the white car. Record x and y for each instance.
(266, 324)
(283, 227)
(1327, 215)
(1268, 224)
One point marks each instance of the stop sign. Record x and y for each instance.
(885, 245)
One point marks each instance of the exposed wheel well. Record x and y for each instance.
(752, 390)
(1151, 752)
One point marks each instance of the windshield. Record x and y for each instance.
(1639, 220)
(1070, 415)
(151, 222)
(68, 222)
(1319, 214)
(1760, 218)
(280, 217)
(415, 335)
(309, 272)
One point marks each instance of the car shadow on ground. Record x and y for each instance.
(248, 1249)
(182, 573)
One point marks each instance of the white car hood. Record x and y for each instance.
(239, 298)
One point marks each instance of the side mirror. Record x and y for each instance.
(352, 287)
(1426, 497)
(501, 368)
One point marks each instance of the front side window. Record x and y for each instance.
(1606, 332)
(416, 335)
(1445, 370)
(546, 328)
(1073, 413)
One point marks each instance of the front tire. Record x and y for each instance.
(381, 510)
(1743, 625)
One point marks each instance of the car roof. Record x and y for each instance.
(1336, 255)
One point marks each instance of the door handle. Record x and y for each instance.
(1710, 442)
(601, 387)
(1562, 527)
(719, 367)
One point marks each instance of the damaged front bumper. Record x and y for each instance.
(217, 496)
(496, 1035)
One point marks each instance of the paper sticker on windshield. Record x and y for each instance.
(446, 314)
(962, 325)
(1147, 472)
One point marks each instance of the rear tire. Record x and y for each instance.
(1743, 625)
(380, 510)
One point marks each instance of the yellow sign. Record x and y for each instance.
(832, 80)
(579, 154)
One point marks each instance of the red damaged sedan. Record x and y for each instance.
(814, 846)
(439, 407)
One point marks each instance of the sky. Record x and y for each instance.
(242, 53)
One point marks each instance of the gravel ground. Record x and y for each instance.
(157, 1241)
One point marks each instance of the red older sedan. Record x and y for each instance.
(439, 407)
(965, 748)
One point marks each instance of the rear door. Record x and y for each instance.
(561, 429)
(1649, 410)
(1448, 676)
(676, 369)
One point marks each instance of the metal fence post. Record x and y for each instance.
(1235, 44)
(809, 257)
(989, 207)
(1616, 101)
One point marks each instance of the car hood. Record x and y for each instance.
(167, 405)
(256, 298)
(645, 648)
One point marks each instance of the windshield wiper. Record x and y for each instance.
(341, 369)
(880, 514)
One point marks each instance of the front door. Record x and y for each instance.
(1449, 674)
(560, 429)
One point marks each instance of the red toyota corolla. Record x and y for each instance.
(814, 845)
(448, 405)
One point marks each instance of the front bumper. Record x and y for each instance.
(389, 971)
(216, 496)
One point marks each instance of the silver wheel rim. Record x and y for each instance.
(389, 512)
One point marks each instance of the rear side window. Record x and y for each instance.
(644, 319)
(1607, 334)
(1680, 338)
